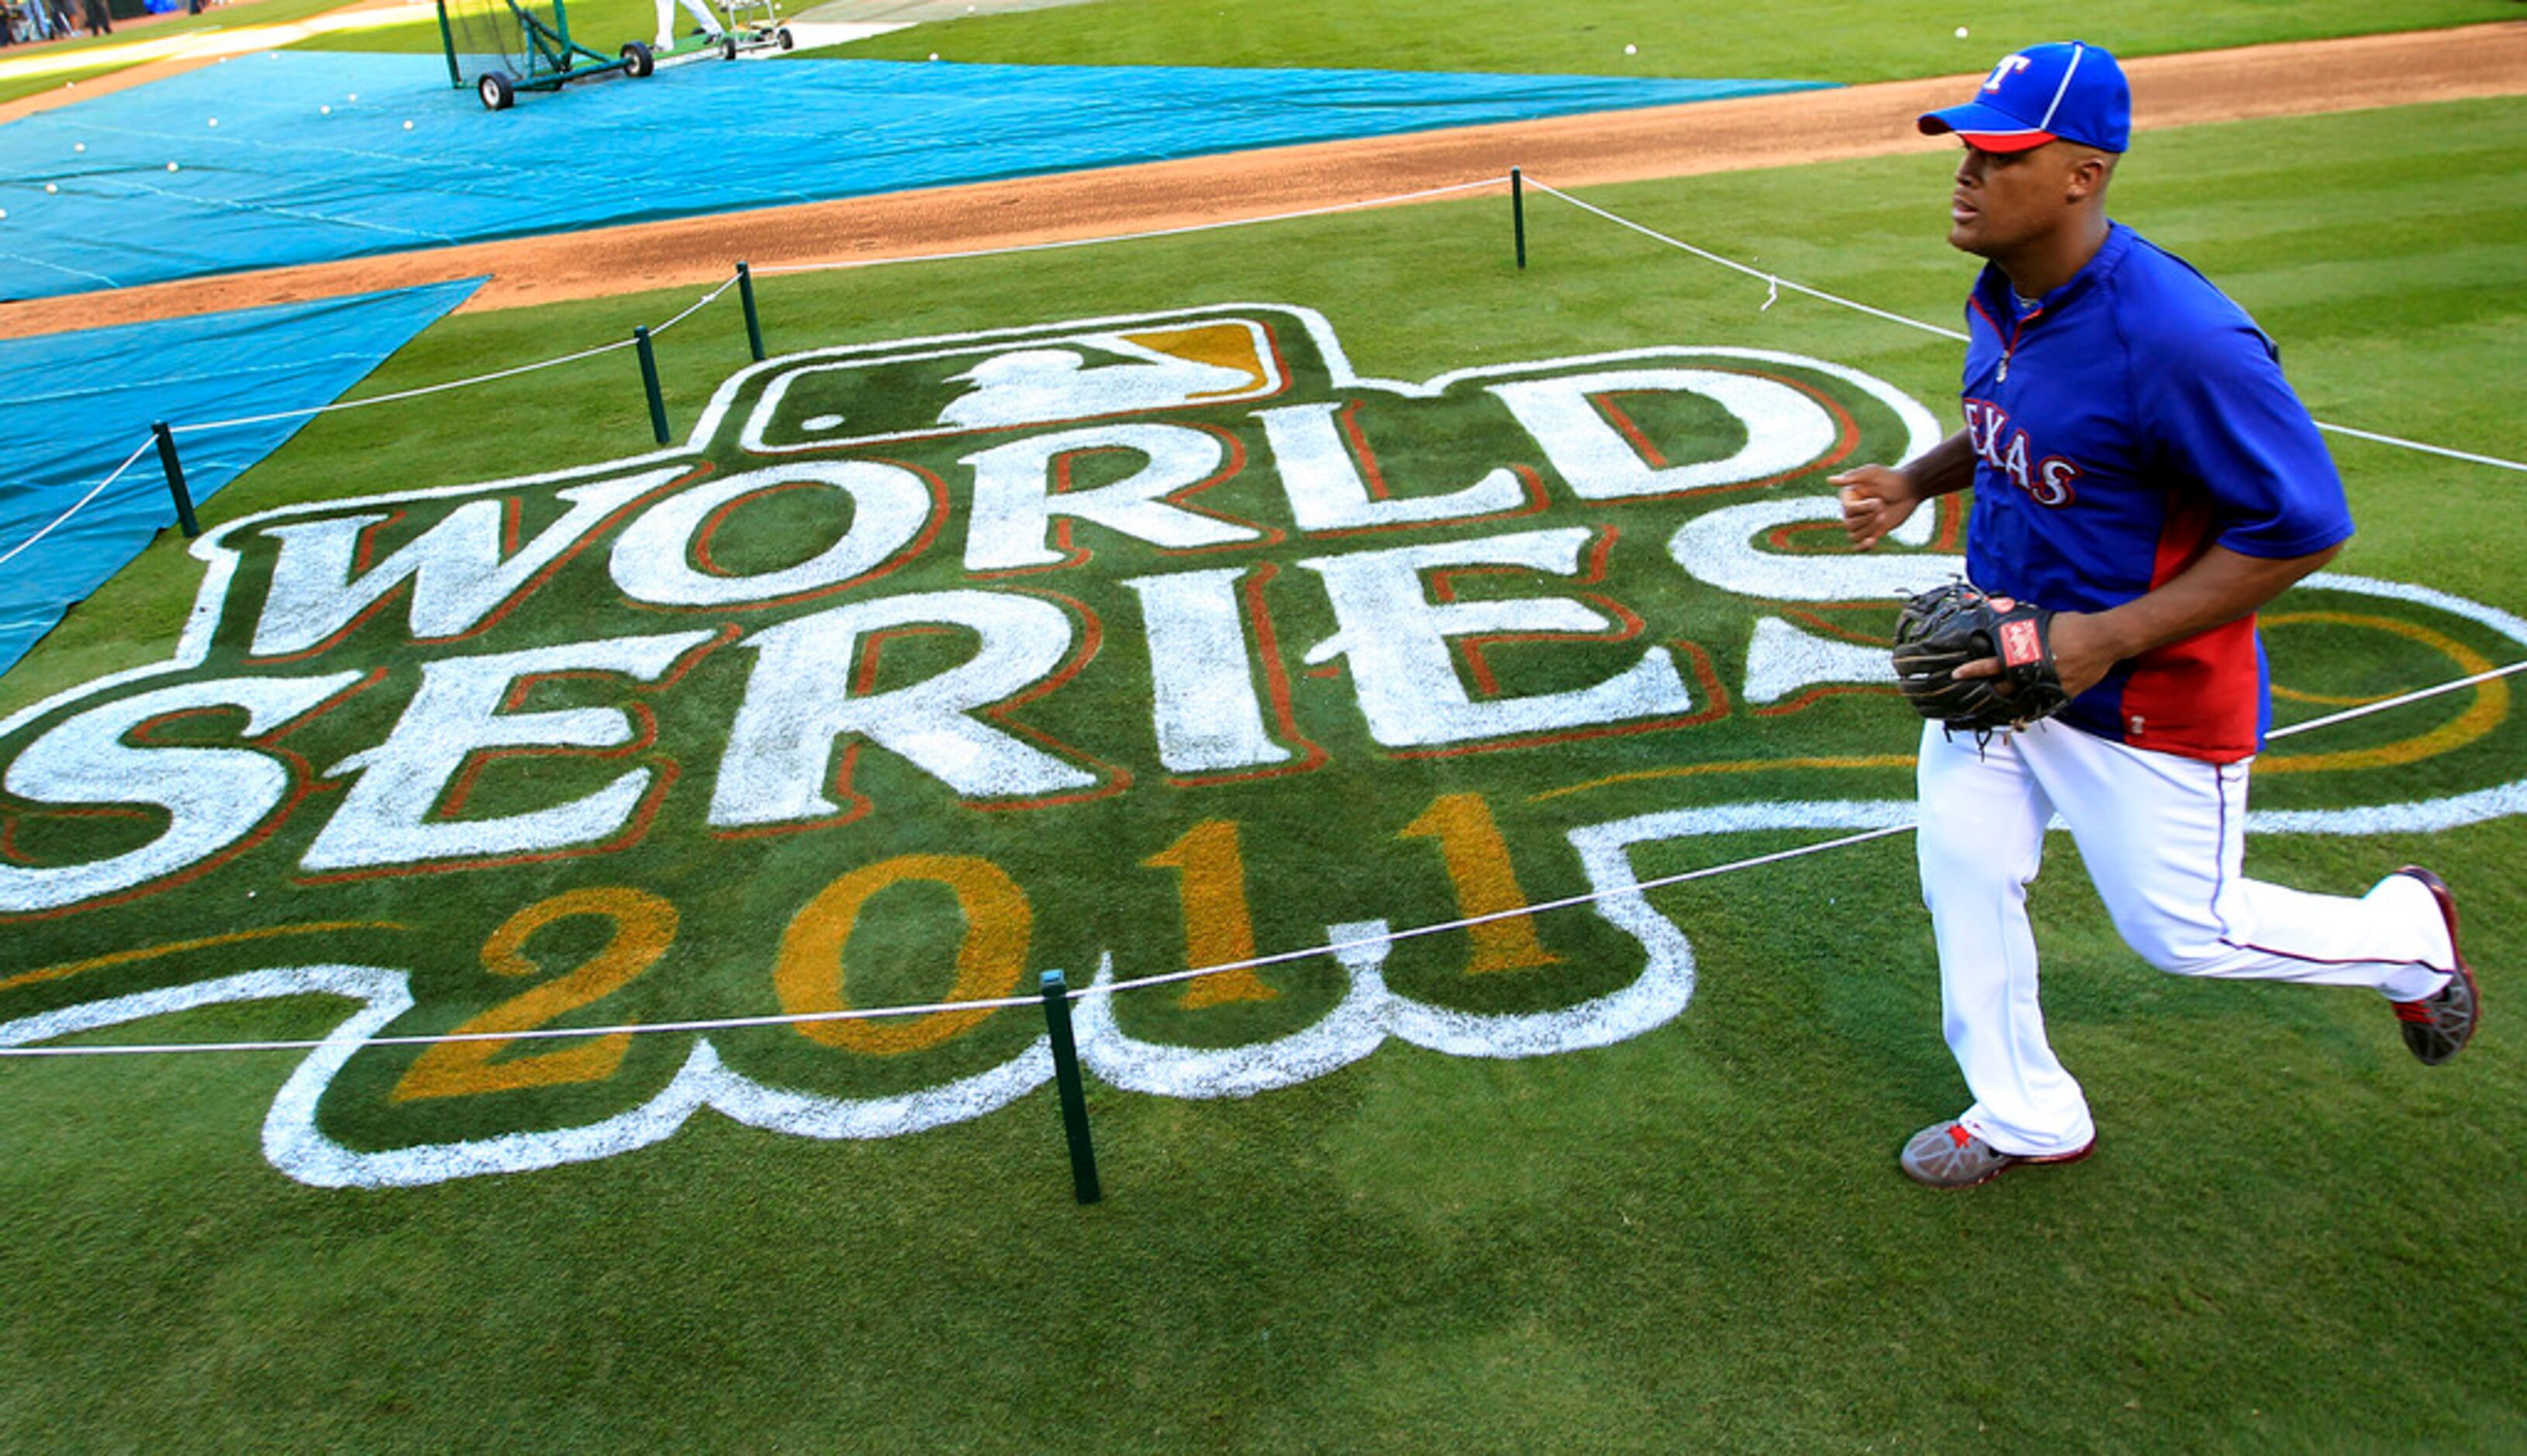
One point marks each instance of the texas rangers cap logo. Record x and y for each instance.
(2069, 90)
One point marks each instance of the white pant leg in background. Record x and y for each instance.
(709, 23)
(2164, 841)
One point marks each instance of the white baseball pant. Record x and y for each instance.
(710, 24)
(2164, 841)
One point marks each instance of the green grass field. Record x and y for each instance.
(2292, 1238)
(1835, 41)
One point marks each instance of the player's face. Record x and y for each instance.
(2006, 200)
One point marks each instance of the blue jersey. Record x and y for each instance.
(2124, 423)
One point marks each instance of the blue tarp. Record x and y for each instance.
(278, 181)
(73, 405)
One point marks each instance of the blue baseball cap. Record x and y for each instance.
(2069, 89)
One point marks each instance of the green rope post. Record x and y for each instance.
(175, 480)
(649, 381)
(1074, 1097)
(753, 323)
(1517, 213)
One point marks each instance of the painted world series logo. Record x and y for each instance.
(1119, 646)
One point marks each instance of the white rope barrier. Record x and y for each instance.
(715, 295)
(1773, 282)
(439, 388)
(1253, 963)
(1523, 912)
(2368, 708)
(2428, 449)
(1777, 284)
(1002, 1003)
(1279, 958)
(81, 503)
(398, 396)
(705, 301)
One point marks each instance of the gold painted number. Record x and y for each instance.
(644, 925)
(1477, 860)
(989, 961)
(1220, 930)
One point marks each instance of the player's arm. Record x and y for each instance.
(1877, 498)
(2232, 423)
(2219, 589)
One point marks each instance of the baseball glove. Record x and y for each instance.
(1942, 629)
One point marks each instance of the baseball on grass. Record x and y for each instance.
(1961, 32)
(1631, 50)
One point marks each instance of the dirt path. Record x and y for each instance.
(2273, 81)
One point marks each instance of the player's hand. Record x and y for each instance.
(1876, 500)
(2084, 653)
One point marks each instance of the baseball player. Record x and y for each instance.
(2143, 472)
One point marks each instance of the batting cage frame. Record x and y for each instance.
(511, 49)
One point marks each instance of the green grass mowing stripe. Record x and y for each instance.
(1693, 1241)
(601, 26)
(1837, 41)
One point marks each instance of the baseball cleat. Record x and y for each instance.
(1944, 1155)
(2437, 1026)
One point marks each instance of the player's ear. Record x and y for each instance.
(2087, 176)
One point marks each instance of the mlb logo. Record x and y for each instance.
(1017, 381)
